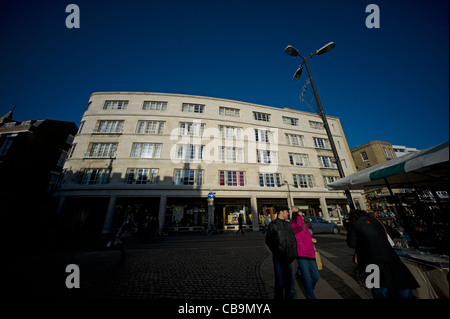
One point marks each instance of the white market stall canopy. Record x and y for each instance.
(428, 168)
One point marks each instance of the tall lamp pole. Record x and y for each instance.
(294, 52)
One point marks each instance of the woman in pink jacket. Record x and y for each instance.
(306, 254)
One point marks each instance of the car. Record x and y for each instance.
(320, 225)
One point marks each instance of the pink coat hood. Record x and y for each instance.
(305, 246)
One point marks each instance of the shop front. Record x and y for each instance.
(337, 210)
(309, 207)
(186, 214)
(227, 211)
(267, 207)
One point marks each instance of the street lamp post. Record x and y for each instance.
(290, 199)
(294, 52)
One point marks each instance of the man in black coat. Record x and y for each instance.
(281, 241)
(369, 238)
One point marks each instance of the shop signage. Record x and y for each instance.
(211, 198)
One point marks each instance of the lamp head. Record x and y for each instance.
(291, 51)
(325, 48)
(298, 73)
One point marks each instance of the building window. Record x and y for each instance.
(142, 176)
(154, 106)
(193, 108)
(81, 127)
(230, 132)
(292, 139)
(266, 157)
(94, 176)
(5, 145)
(303, 181)
(329, 179)
(115, 105)
(109, 127)
(298, 159)
(290, 121)
(72, 150)
(270, 180)
(190, 151)
(146, 150)
(189, 177)
(364, 156)
(62, 158)
(321, 143)
(261, 116)
(388, 153)
(325, 162)
(316, 125)
(229, 111)
(102, 150)
(264, 136)
(191, 129)
(70, 139)
(231, 154)
(231, 178)
(150, 127)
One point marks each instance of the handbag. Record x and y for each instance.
(318, 260)
(125, 234)
(391, 242)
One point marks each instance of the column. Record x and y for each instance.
(109, 215)
(162, 210)
(255, 215)
(323, 206)
(60, 205)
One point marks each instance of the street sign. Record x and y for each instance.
(210, 198)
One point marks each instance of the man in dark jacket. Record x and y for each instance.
(369, 238)
(281, 241)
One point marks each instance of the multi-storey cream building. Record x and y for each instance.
(162, 154)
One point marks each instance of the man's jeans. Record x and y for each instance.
(310, 275)
(385, 293)
(284, 280)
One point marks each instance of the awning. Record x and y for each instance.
(428, 168)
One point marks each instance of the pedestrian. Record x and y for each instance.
(281, 241)
(117, 222)
(306, 259)
(124, 233)
(241, 227)
(369, 238)
(266, 221)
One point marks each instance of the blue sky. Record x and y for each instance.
(387, 84)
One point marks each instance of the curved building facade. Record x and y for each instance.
(162, 154)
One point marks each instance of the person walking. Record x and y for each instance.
(368, 236)
(124, 233)
(241, 227)
(306, 253)
(281, 241)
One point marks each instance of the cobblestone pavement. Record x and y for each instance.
(182, 266)
(178, 266)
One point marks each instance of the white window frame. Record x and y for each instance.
(229, 111)
(115, 105)
(146, 150)
(193, 108)
(299, 159)
(303, 181)
(270, 180)
(258, 116)
(150, 127)
(142, 176)
(290, 121)
(154, 106)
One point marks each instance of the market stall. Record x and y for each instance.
(424, 172)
